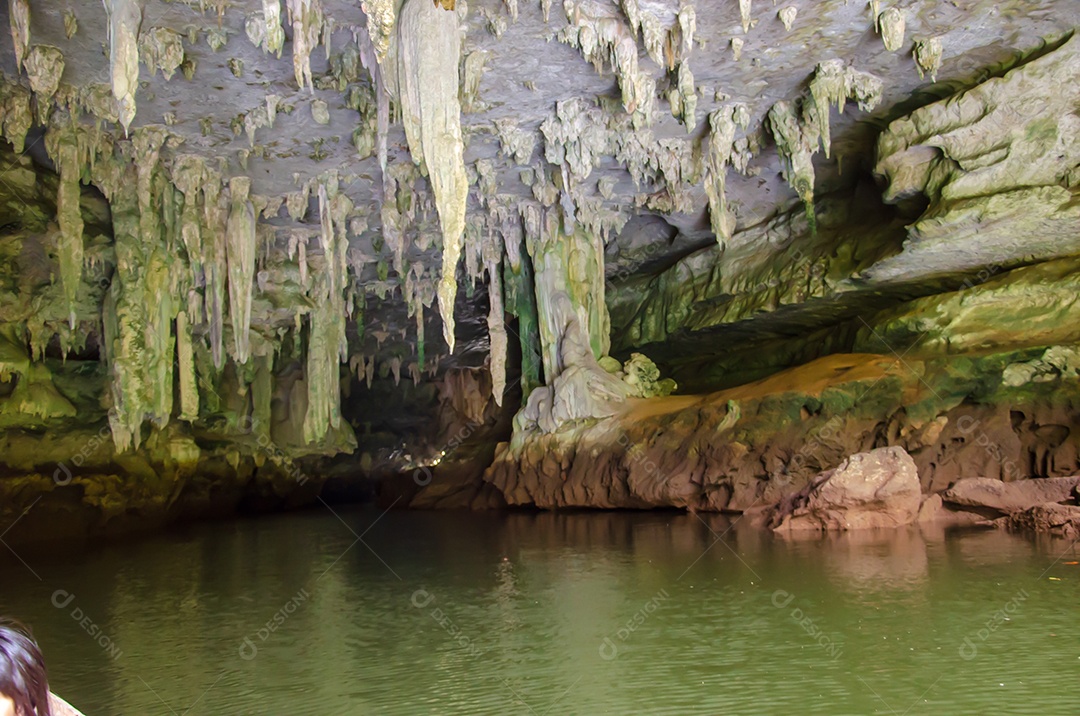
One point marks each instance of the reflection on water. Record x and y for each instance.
(655, 613)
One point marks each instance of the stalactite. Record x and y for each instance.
(162, 48)
(63, 148)
(521, 300)
(744, 13)
(687, 97)
(496, 321)
(723, 123)
(274, 37)
(262, 393)
(139, 308)
(395, 369)
(297, 202)
(188, 175)
(381, 19)
(306, 17)
(799, 133)
(798, 152)
(891, 24)
(44, 66)
(17, 115)
(19, 17)
(215, 265)
(606, 39)
(125, 19)
(185, 359)
(327, 343)
(430, 52)
(240, 257)
(927, 53)
(787, 16)
(71, 24)
(326, 331)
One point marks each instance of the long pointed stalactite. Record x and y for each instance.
(429, 52)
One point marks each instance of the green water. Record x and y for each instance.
(657, 613)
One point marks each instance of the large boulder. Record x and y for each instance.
(1007, 497)
(874, 489)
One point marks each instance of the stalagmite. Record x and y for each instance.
(19, 16)
(891, 23)
(185, 358)
(737, 47)
(240, 254)
(429, 54)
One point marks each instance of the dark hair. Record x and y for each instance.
(23, 678)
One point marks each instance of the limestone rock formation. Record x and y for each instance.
(1009, 497)
(878, 489)
(227, 294)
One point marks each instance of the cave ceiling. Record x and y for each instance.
(517, 67)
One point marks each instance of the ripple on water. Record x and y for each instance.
(556, 614)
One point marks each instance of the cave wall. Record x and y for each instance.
(233, 273)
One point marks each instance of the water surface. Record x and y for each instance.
(358, 612)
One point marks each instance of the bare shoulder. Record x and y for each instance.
(59, 707)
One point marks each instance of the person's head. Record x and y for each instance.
(24, 683)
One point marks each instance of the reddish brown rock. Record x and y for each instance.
(1008, 497)
(1051, 518)
(934, 512)
(868, 490)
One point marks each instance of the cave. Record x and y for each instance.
(610, 356)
